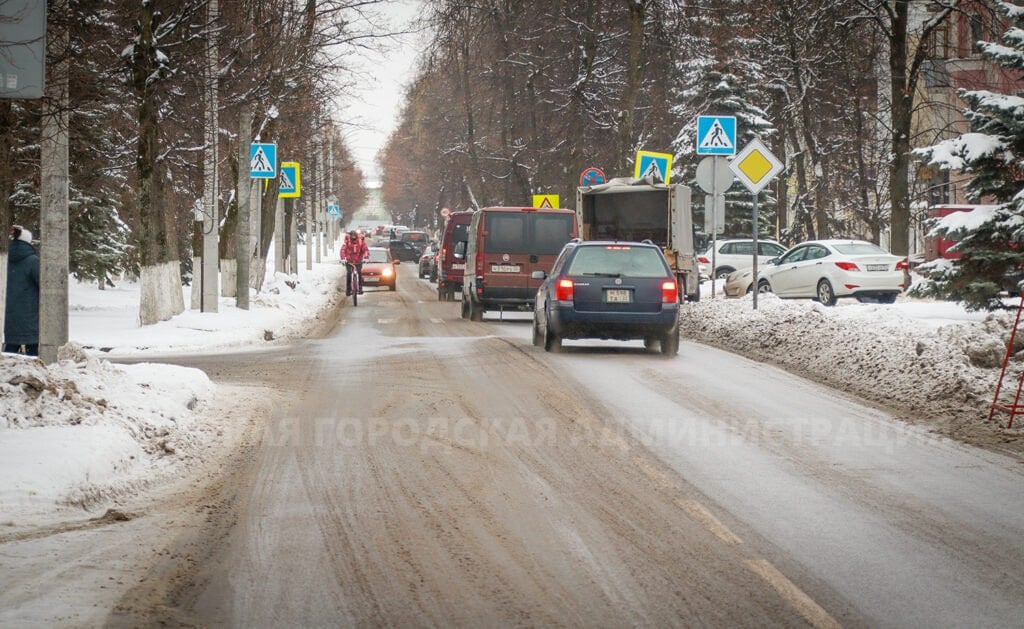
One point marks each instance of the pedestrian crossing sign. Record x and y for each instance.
(262, 161)
(716, 135)
(289, 183)
(655, 165)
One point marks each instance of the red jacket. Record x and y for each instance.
(354, 252)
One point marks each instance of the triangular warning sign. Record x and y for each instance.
(260, 162)
(546, 203)
(716, 137)
(285, 181)
(653, 172)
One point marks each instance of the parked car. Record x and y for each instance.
(733, 254)
(505, 245)
(608, 290)
(428, 263)
(404, 251)
(825, 270)
(379, 269)
(740, 282)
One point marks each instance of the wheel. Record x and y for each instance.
(764, 287)
(552, 342)
(465, 307)
(538, 338)
(650, 342)
(394, 286)
(355, 296)
(723, 272)
(826, 295)
(670, 342)
(440, 294)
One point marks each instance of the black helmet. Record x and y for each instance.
(352, 235)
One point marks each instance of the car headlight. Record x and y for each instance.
(387, 272)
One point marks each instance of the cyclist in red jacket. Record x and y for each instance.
(353, 252)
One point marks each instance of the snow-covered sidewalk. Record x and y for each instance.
(77, 436)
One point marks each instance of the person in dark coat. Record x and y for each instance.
(21, 314)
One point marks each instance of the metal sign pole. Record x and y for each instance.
(754, 227)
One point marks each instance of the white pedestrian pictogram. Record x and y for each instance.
(716, 138)
(286, 182)
(260, 162)
(654, 172)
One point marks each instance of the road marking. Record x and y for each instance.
(386, 321)
(432, 320)
(805, 605)
(710, 522)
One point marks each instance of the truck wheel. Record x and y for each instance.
(670, 343)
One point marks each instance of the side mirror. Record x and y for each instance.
(539, 275)
(396, 262)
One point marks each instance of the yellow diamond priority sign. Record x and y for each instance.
(755, 166)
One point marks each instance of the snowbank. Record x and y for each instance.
(82, 431)
(932, 362)
(78, 436)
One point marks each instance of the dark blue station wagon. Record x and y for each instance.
(608, 290)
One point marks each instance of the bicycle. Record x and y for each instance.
(354, 282)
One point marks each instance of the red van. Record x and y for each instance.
(505, 246)
(451, 260)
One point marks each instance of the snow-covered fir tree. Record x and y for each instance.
(992, 245)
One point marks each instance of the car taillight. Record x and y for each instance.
(479, 263)
(703, 260)
(564, 290)
(847, 266)
(669, 292)
(901, 265)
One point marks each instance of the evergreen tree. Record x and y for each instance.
(992, 245)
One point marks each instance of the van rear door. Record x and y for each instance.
(549, 233)
(506, 251)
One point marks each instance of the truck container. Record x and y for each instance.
(641, 209)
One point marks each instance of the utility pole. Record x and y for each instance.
(242, 239)
(210, 276)
(53, 255)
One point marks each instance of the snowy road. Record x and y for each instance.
(426, 470)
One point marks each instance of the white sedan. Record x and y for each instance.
(825, 270)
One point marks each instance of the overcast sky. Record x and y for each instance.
(375, 108)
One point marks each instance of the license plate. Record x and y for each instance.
(878, 267)
(371, 280)
(460, 267)
(504, 268)
(618, 296)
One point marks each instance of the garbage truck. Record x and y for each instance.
(643, 209)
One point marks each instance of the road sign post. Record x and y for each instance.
(755, 166)
(714, 177)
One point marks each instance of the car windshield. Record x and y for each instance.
(860, 249)
(618, 260)
(378, 255)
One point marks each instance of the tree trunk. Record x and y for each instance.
(160, 279)
(902, 106)
(634, 80)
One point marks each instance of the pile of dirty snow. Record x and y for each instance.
(929, 367)
(82, 432)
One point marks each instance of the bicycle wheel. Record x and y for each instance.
(355, 286)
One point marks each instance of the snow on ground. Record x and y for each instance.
(933, 362)
(77, 435)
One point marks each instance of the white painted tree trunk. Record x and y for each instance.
(228, 277)
(197, 292)
(3, 291)
(160, 297)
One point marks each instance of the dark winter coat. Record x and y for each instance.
(21, 315)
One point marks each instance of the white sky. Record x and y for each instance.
(374, 111)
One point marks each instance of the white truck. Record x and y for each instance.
(640, 209)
